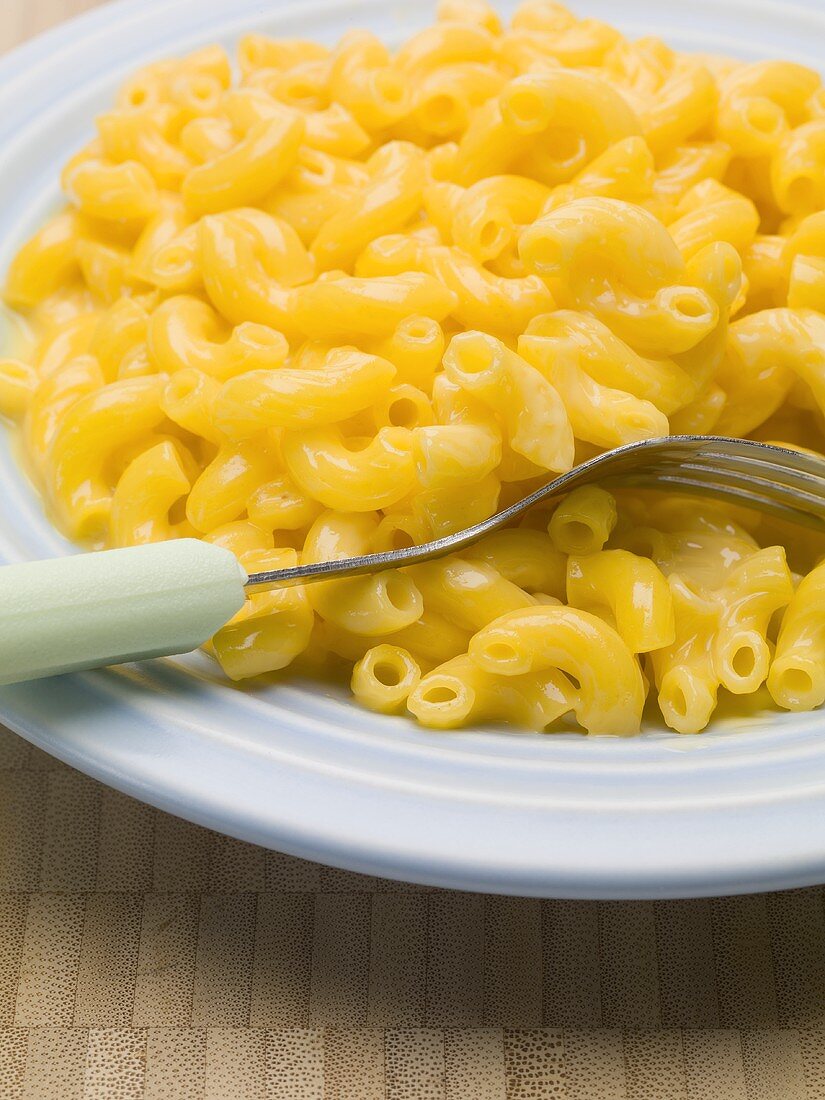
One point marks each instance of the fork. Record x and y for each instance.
(91, 610)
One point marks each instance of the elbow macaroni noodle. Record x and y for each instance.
(362, 298)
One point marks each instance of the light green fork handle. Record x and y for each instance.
(91, 610)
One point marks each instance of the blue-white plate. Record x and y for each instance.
(299, 767)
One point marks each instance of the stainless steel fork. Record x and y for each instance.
(781, 482)
(89, 610)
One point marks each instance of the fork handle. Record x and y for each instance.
(91, 610)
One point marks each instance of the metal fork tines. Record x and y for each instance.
(789, 485)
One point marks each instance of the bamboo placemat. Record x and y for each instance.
(145, 958)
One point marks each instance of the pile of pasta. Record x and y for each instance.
(359, 298)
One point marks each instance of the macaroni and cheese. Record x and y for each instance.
(328, 301)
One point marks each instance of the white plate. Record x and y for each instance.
(299, 768)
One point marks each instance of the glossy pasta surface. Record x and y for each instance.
(314, 302)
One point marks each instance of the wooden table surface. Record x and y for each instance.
(145, 958)
(20, 19)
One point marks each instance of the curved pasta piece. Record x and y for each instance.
(334, 130)
(203, 139)
(611, 362)
(258, 51)
(526, 558)
(806, 283)
(52, 398)
(481, 299)
(700, 416)
(681, 108)
(113, 192)
(86, 438)
(387, 202)
(250, 170)
(453, 507)
(455, 454)
(532, 411)
(235, 264)
(281, 250)
(625, 170)
(415, 349)
(584, 521)
(18, 381)
(490, 145)
(240, 537)
(147, 489)
(640, 67)
(709, 213)
(798, 169)
(590, 250)
(717, 271)
(329, 128)
(558, 35)
(570, 237)
(797, 676)
(65, 340)
(279, 505)
(701, 546)
(196, 95)
(384, 677)
(120, 331)
(348, 382)
(468, 593)
(398, 529)
(725, 591)
(189, 401)
(186, 332)
(632, 591)
(302, 87)
(485, 217)
(459, 692)
(45, 262)
(106, 270)
(787, 270)
(403, 406)
(577, 114)
(371, 606)
(478, 13)
(273, 627)
(155, 83)
(173, 266)
(754, 590)
(486, 300)
(339, 476)
(599, 414)
(686, 165)
(685, 676)
(759, 102)
(444, 99)
(146, 135)
(443, 44)
(363, 80)
(431, 640)
(220, 493)
(611, 689)
(764, 265)
(765, 352)
(348, 306)
(314, 191)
